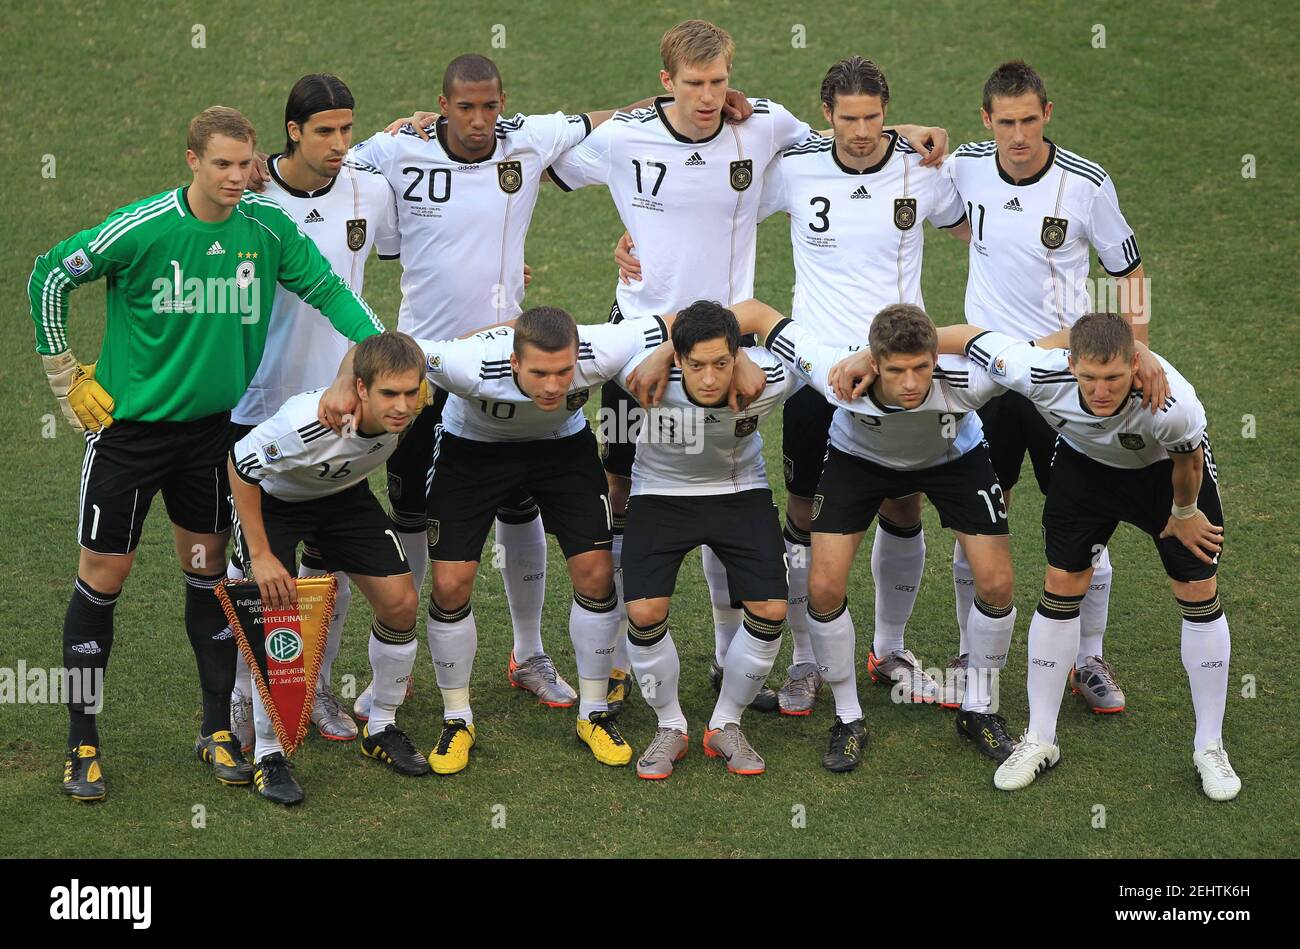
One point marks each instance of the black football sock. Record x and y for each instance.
(214, 649)
(87, 641)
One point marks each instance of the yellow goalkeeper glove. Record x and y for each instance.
(84, 402)
(89, 399)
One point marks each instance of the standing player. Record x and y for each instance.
(193, 274)
(346, 211)
(915, 430)
(699, 478)
(855, 204)
(684, 185)
(295, 480)
(1113, 462)
(465, 199)
(1034, 210)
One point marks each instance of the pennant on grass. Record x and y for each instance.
(283, 648)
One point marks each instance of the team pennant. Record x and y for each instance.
(283, 648)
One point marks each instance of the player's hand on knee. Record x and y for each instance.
(418, 121)
(1197, 534)
(528, 274)
(1152, 379)
(89, 400)
(629, 265)
(277, 587)
(852, 376)
(736, 107)
(747, 383)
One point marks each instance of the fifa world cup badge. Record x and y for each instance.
(1054, 229)
(510, 176)
(742, 173)
(904, 213)
(356, 234)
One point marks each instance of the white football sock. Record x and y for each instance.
(726, 618)
(390, 667)
(592, 627)
(897, 563)
(1206, 650)
(963, 587)
(657, 669)
(342, 598)
(453, 642)
(798, 555)
(833, 642)
(267, 743)
(989, 631)
(1053, 643)
(1095, 609)
(620, 660)
(749, 660)
(524, 573)
(243, 676)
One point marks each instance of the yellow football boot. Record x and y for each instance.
(451, 754)
(600, 733)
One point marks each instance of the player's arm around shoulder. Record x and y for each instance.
(1011, 363)
(304, 270)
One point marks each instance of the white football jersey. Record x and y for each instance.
(1029, 241)
(463, 222)
(939, 430)
(485, 402)
(1131, 438)
(857, 235)
(296, 458)
(347, 217)
(685, 448)
(690, 206)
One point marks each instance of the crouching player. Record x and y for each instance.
(698, 479)
(912, 429)
(294, 481)
(1115, 462)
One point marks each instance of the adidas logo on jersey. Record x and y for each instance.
(1012, 205)
(862, 192)
(313, 218)
(711, 418)
(695, 159)
(216, 249)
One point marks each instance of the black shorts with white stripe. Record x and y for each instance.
(128, 463)
(348, 531)
(1012, 427)
(1088, 500)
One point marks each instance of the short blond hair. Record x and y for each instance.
(218, 120)
(693, 43)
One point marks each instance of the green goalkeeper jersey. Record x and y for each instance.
(188, 302)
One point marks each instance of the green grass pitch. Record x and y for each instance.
(1171, 106)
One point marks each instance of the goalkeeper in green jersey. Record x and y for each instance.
(192, 273)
